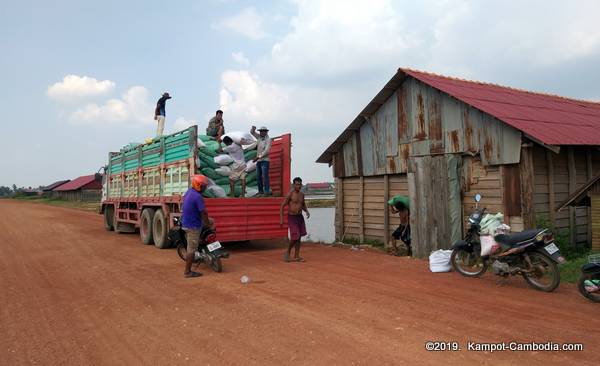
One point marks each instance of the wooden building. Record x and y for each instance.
(441, 140)
(588, 196)
(84, 188)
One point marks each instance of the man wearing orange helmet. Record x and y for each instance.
(194, 218)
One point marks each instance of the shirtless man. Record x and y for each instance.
(296, 204)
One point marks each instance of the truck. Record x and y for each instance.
(143, 188)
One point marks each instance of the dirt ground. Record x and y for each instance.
(74, 294)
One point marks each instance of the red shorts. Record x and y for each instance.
(297, 226)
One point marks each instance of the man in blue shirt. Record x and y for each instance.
(160, 113)
(194, 218)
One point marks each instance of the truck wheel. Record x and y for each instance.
(146, 226)
(109, 218)
(159, 230)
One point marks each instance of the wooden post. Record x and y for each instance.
(386, 216)
(339, 187)
(361, 204)
(551, 198)
(590, 172)
(526, 168)
(572, 187)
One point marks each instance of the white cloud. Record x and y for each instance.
(248, 23)
(240, 58)
(73, 87)
(133, 107)
(182, 123)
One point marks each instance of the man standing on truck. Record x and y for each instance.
(194, 218)
(160, 113)
(401, 205)
(238, 168)
(262, 160)
(216, 126)
(296, 204)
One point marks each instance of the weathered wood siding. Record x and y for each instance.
(362, 209)
(552, 179)
(595, 212)
(485, 180)
(418, 120)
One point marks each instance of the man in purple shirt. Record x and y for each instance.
(193, 216)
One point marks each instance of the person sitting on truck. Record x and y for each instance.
(400, 205)
(160, 113)
(262, 160)
(216, 126)
(194, 219)
(296, 204)
(238, 168)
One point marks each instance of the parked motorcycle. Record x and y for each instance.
(209, 250)
(589, 281)
(531, 254)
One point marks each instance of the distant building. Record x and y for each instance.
(319, 189)
(84, 188)
(30, 192)
(47, 190)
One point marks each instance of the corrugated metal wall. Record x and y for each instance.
(418, 120)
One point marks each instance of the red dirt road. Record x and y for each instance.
(74, 294)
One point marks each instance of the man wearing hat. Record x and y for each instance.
(159, 113)
(262, 160)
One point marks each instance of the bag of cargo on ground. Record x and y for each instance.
(241, 138)
(223, 159)
(439, 261)
(223, 171)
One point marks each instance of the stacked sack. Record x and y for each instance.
(217, 166)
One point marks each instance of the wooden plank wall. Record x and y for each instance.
(595, 198)
(553, 184)
(485, 180)
(361, 210)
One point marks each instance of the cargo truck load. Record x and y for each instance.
(144, 185)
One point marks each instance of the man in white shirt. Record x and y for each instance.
(238, 168)
(262, 160)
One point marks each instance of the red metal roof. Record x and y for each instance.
(77, 183)
(55, 185)
(551, 119)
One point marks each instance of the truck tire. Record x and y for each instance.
(109, 218)
(146, 226)
(160, 230)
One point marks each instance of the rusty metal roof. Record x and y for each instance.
(546, 119)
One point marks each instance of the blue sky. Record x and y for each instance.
(81, 78)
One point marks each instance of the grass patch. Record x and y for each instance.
(356, 241)
(53, 201)
(570, 271)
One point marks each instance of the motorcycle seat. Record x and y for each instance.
(591, 268)
(516, 238)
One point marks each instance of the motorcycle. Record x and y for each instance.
(210, 251)
(531, 254)
(589, 281)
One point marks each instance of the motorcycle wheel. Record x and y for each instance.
(215, 264)
(468, 264)
(181, 251)
(592, 296)
(545, 276)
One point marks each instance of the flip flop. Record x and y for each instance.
(286, 257)
(192, 274)
(299, 259)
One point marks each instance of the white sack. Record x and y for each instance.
(224, 171)
(439, 260)
(241, 138)
(488, 245)
(250, 166)
(217, 191)
(201, 143)
(223, 159)
(251, 192)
